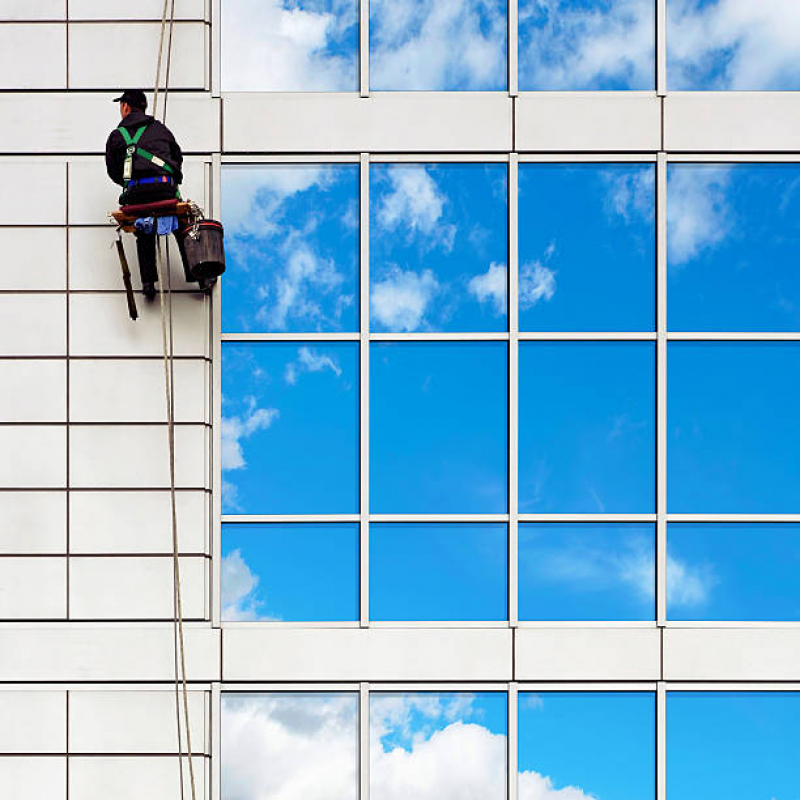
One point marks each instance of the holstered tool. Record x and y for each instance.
(126, 279)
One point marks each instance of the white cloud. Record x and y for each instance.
(536, 283)
(415, 205)
(585, 47)
(238, 584)
(275, 45)
(698, 216)
(400, 300)
(234, 429)
(309, 361)
(735, 44)
(277, 747)
(631, 193)
(491, 287)
(688, 585)
(437, 44)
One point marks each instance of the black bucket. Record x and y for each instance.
(205, 252)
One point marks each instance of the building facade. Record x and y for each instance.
(486, 441)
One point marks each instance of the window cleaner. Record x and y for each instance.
(143, 156)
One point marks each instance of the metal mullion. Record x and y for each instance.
(216, 48)
(513, 387)
(216, 749)
(734, 158)
(588, 686)
(597, 336)
(289, 337)
(587, 158)
(661, 47)
(767, 518)
(441, 336)
(661, 388)
(363, 741)
(661, 741)
(513, 48)
(270, 158)
(364, 333)
(513, 741)
(723, 336)
(233, 519)
(588, 517)
(439, 158)
(363, 48)
(215, 548)
(438, 517)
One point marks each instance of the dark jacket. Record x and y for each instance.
(156, 139)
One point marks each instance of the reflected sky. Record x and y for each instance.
(297, 572)
(744, 571)
(586, 427)
(438, 247)
(733, 427)
(269, 741)
(438, 422)
(733, 44)
(587, 745)
(733, 241)
(289, 428)
(587, 247)
(736, 745)
(292, 247)
(586, 572)
(437, 44)
(438, 571)
(586, 44)
(289, 45)
(418, 744)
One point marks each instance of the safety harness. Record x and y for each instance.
(133, 148)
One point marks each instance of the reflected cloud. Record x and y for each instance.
(537, 282)
(238, 585)
(631, 194)
(279, 45)
(236, 428)
(437, 44)
(491, 287)
(570, 44)
(401, 299)
(309, 360)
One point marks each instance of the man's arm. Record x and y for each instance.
(175, 155)
(115, 157)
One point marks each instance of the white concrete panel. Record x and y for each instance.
(81, 122)
(114, 55)
(141, 10)
(33, 522)
(389, 121)
(132, 722)
(40, 10)
(605, 121)
(603, 654)
(94, 263)
(100, 326)
(33, 778)
(33, 258)
(136, 456)
(40, 456)
(114, 653)
(134, 587)
(33, 722)
(132, 778)
(33, 325)
(115, 390)
(731, 121)
(732, 654)
(136, 522)
(314, 654)
(92, 195)
(38, 179)
(33, 391)
(33, 588)
(33, 56)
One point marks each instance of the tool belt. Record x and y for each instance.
(152, 179)
(132, 148)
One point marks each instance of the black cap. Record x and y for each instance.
(135, 98)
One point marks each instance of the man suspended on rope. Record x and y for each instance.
(143, 157)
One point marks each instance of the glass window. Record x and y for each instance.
(736, 745)
(296, 572)
(290, 428)
(733, 239)
(586, 572)
(428, 44)
(291, 744)
(586, 44)
(438, 427)
(719, 44)
(586, 427)
(583, 745)
(292, 246)
(289, 45)
(438, 247)
(734, 429)
(438, 572)
(738, 571)
(438, 745)
(587, 247)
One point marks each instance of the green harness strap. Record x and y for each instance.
(132, 143)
